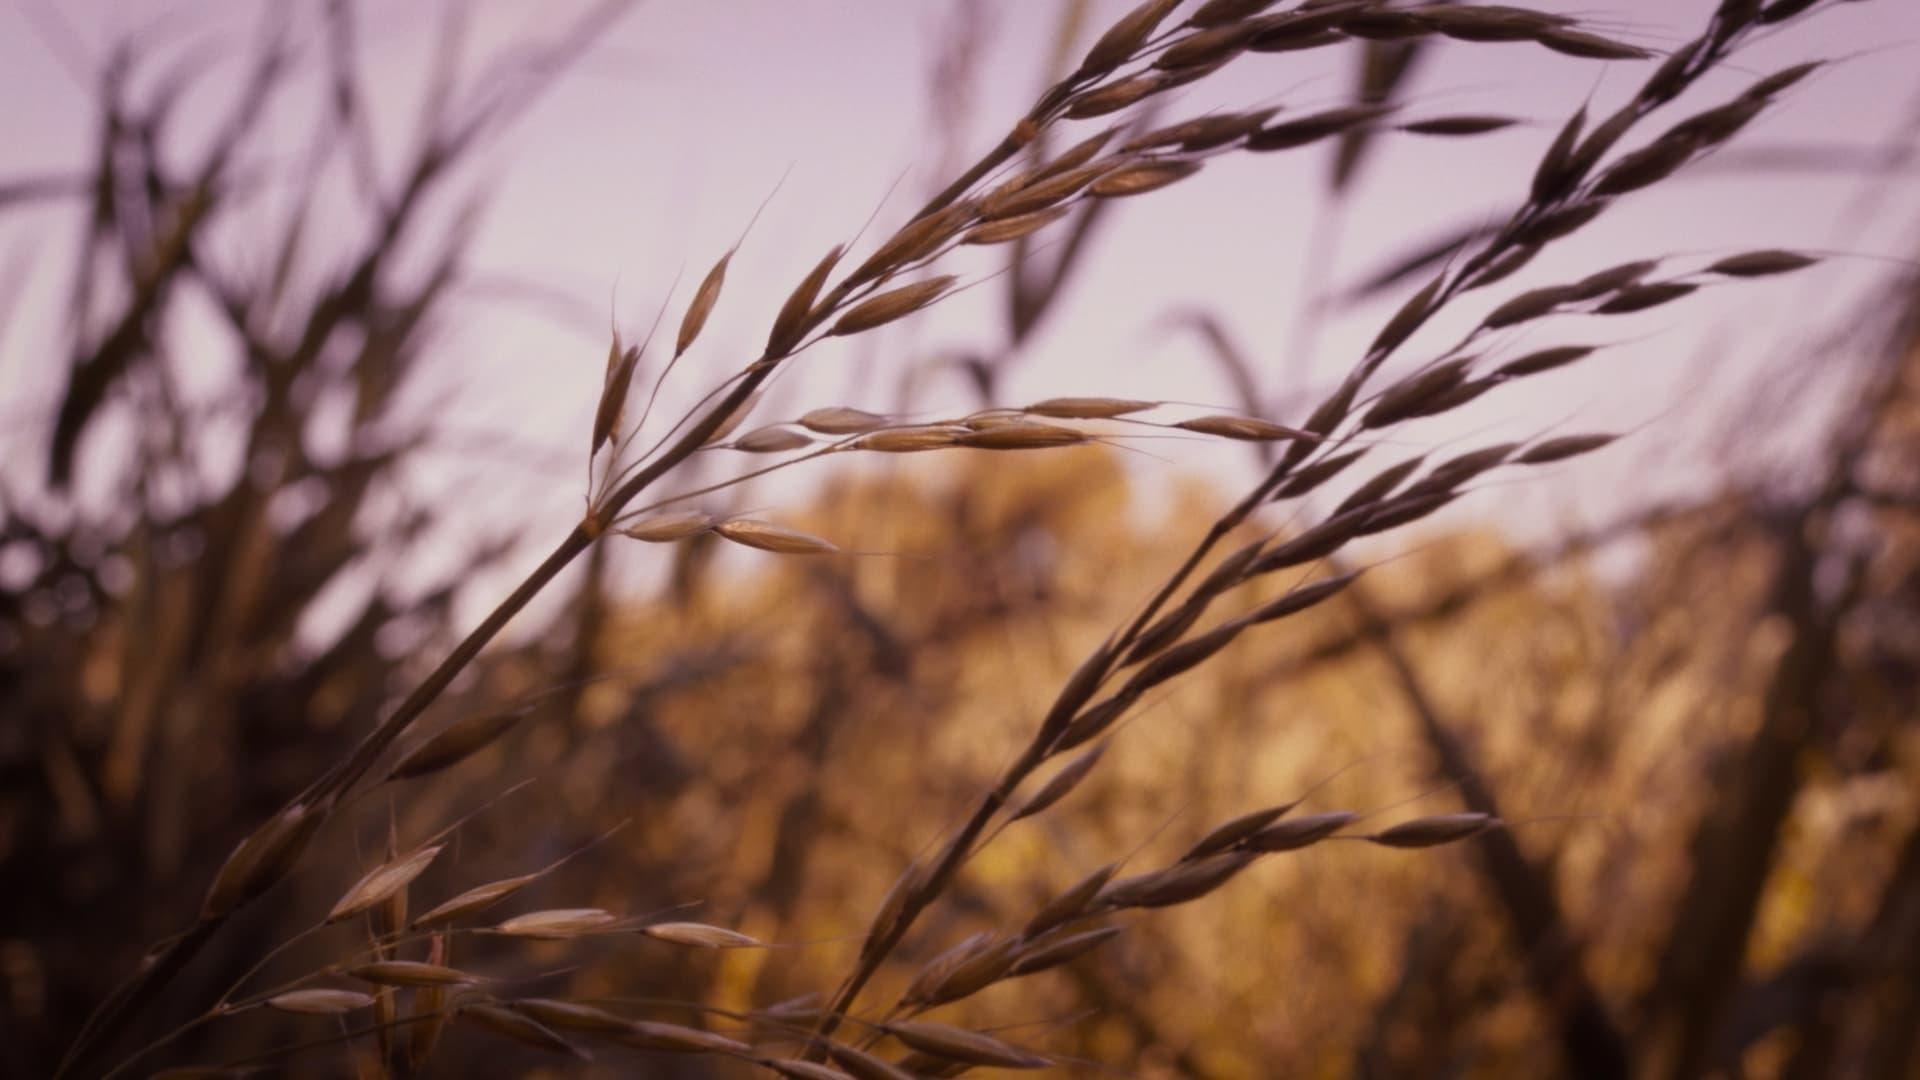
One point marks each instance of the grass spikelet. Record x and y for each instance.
(914, 241)
(984, 961)
(1456, 471)
(704, 299)
(959, 1044)
(1115, 96)
(779, 539)
(1014, 228)
(1074, 156)
(1177, 884)
(1641, 297)
(1316, 543)
(1220, 12)
(572, 1016)
(503, 1021)
(1548, 359)
(556, 924)
(1303, 831)
(382, 882)
(476, 899)
(411, 973)
(1038, 195)
(1125, 37)
(621, 365)
(910, 440)
(1762, 264)
(1611, 279)
(1563, 448)
(734, 419)
(1301, 599)
(1052, 951)
(773, 439)
(1088, 408)
(1589, 46)
(1070, 904)
(1021, 436)
(796, 1069)
(668, 527)
(1210, 46)
(1229, 833)
(1407, 397)
(864, 1066)
(262, 859)
(841, 420)
(893, 304)
(679, 1039)
(1183, 657)
(461, 739)
(1406, 320)
(796, 315)
(701, 936)
(1453, 126)
(1290, 134)
(1140, 178)
(1061, 784)
(1096, 719)
(1528, 306)
(1242, 428)
(1554, 175)
(1380, 485)
(1318, 473)
(893, 904)
(319, 1002)
(1431, 831)
(1404, 510)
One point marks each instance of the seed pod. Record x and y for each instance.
(1784, 78)
(959, 1044)
(1642, 297)
(263, 858)
(410, 973)
(613, 392)
(840, 420)
(1300, 599)
(1061, 784)
(1429, 831)
(910, 440)
(1054, 951)
(518, 1027)
(1167, 629)
(1333, 410)
(1042, 194)
(678, 1039)
(1229, 833)
(1070, 904)
(1490, 23)
(1555, 224)
(1296, 833)
(700, 935)
(1316, 543)
(796, 315)
(1562, 448)
(1762, 264)
(775, 538)
(704, 298)
(320, 1002)
(1125, 37)
(1113, 97)
(476, 899)
(892, 304)
(1014, 228)
(1076, 691)
(1459, 125)
(461, 740)
(1316, 474)
(773, 439)
(556, 924)
(734, 418)
(1176, 884)
(1244, 428)
(1271, 40)
(1088, 408)
(382, 882)
(673, 525)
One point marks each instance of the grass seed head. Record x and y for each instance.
(1431, 831)
(382, 882)
(893, 304)
(779, 539)
(320, 1002)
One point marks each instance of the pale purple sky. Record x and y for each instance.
(647, 160)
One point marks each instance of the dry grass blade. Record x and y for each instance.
(893, 304)
(701, 935)
(779, 539)
(461, 739)
(668, 527)
(476, 899)
(503, 1021)
(960, 1044)
(382, 882)
(1430, 831)
(320, 1002)
(556, 924)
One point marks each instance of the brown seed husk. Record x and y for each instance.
(613, 392)
(1113, 97)
(1562, 448)
(1545, 360)
(841, 420)
(1589, 46)
(1070, 904)
(671, 526)
(1299, 832)
(460, 740)
(1641, 297)
(1061, 784)
(1125, 37)
(1244, 428)
(1230, 832)
(1528, 306)
(320, 1002)
(411, 973)
(1017, 435)
(1220, 12)
(262, 859)
(1051, 952)
(911, 440)
(893, 304)
(1039, 195)
(704, 299)
(779, 539)
(1301, 598)
(1289, 134)
(1088, 408)
(1014, 228)
(1762, 264)
(959, 1044)
(701, 935)
(1459, 125)
(476, 899)
(1429, 831)
(1316, 474)
(1207, 47)
(501, 1020)
(382, 882)
(1140, 178)
(861, 1065)
(572, 1016)
(796, 315)
(678, 1039)
(556, 924)
(773, 439)
(1176, 884)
